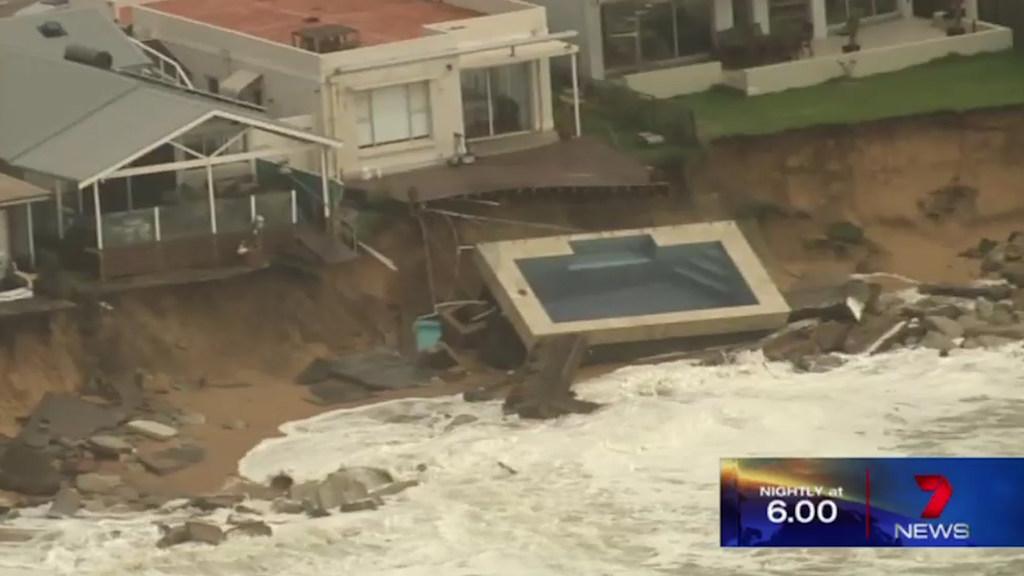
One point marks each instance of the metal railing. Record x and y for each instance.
(162, 60)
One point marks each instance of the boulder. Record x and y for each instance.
(28, 470)
(338, 489)
(994, 292)
(253, 528)
(205, 532)
(1002, 314)
(1013, 272)
(1018, 300)
(67, 503)
(109, 446)
(1012, 331)
(360, 505)
(936, 340)
(98, 483)
(172, 535)
(869, 334)
(820, 364)
(371, 478)
(948, 327)
(171, 460)
(287, 506)
(831, 336)
(151, 429)
(394, 488)
(984, 309)
(215, 501)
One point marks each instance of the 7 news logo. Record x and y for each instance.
(941, 491)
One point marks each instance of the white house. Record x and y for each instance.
(404, 83)
(672, 47)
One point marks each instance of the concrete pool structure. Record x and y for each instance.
(633, 285)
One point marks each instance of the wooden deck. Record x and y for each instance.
(583, 163)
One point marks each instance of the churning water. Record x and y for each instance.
(631, 489)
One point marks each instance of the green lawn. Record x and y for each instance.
(955, 83)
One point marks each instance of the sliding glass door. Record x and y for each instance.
(642, 32)
(497, 100)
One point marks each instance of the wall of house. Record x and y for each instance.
(584, 17)
(291, 77)
(669, 82)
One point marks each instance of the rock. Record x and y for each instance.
(370, 478)
(173, 459)
(936, 340)
(830, 336)
(1003, 315)
(868, 335)
(243, 509)
(1013, 331)
(952, 199)
(189, 418)
(205, 532)
(460, 420)
(282, 482)
(79, 463)
(1017, 300)
(993, 260)
(98, 483)
(359, 505)
(109, 446)
(845, 232)
(994, 292)
(394, 488)
(67, 503)
(236, 424)
(820, 364)
(172, 535)
(215, 501)
(946, 326)
(338, 489)
(28, 470)
(252, 528)
(151, 429)
(286, 506)
(1013, 272)
(982, 249)
(984, 309)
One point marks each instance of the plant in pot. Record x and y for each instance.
(956, 25)
(852, 29)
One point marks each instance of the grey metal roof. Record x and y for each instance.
(76, 122)
(14, 191)
(85, 26)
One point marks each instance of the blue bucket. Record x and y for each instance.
(428, 332)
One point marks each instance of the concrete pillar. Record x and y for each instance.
(761, 15)
(818, 19)
(970, 10)
(722, 18)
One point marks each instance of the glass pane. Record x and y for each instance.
(510, 97)
(693, 25)
(234, 214)
(657, 37)
(863, 7)
(475, 103)
(184, 220)
(419, 109)
(364, 124)
(390, 107)
(275, 207)
(128, 228)
(619, 24)
(885, 6)
(835, 11)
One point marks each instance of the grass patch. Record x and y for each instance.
(949, 84)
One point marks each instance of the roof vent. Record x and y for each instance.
(52, 29)
(326, 38)
(88, 56)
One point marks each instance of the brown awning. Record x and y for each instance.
(579, 163)
(14, 191)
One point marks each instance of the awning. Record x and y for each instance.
(238, 81)
(514, 54)
(14, 191)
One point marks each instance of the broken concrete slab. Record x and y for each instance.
(152, 429)
(360, 505)
(338, 489)
(546, 390)
(936, 340)
(67, 503)
(992, 292)
(252, 529)
(287, 506)
(830, 336)
(375, 370)
(96, 483)
(170, 460)
(949, 327)
(67, 416)
(868, 334)
(204, 532)
(28, 470)
(109, 446)
(172, 535)
(394, 488)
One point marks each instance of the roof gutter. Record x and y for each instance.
(514, 43)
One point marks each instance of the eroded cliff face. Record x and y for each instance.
(875, 176)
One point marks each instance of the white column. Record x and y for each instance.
(970, 10)
(31, 237)
(157, 232)
(99, 217)
(295, 208)
(209, 193)
(907, 8)
(722, 18)
(576, 94)
(818, 19)
(761, 15)
(252, 208)
(324, 189)
(58, 190)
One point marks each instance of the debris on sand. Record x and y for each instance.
(545, 392)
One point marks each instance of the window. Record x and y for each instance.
(637, 32)
(497, 100)
(393, 114)
(838, 11)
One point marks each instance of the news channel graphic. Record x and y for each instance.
(872, 502)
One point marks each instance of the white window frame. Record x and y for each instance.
(411, 113)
